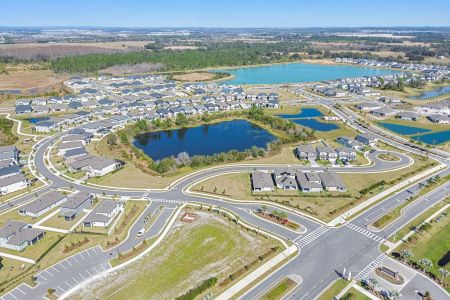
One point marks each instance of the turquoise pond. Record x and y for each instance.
(433, 138)
(404, 129)
(439, 91)
(307, 117)
(298, 72)
(419, 134)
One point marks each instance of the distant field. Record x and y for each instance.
(34, 50)
(30, 81)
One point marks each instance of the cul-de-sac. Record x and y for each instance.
(197, 150)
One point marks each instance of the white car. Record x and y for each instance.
(140, 232)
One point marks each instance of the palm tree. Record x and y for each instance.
(394, 294)
(406, 254)
(444, 273)
(427, 263)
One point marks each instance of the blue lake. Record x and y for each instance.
(403, 129)
(433, 138)
(303, 113)
(443, 90)
(298, 72)
(35, 120)
(203, 140)
(315, 124)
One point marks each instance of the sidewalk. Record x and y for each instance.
(11, 256)
(229, 293)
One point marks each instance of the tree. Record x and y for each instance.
(427, 263)
(406, 254)
(183, 159)
(181, 120)
(112, 139)
(444, 273)
(50, 291)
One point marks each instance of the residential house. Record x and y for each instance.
(75, 205)
(262, 182)
(367, 139)
(103, 214)
(18, 235)
(306, 152)
(285, 180)
(42, 204)
(309, 182)
(10, 153)
(331, 182)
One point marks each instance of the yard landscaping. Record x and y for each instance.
(324, 205)
(428, 249)
(354, 294)
(189, 255)
(333, 290)
(57, 221)
(279, 291)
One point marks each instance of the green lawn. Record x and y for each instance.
(191, 253)
(35, 251)
(433, 245)
(334, 290)
(354, 294)
(57, 221)
(284, 287)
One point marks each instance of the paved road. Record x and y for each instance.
(325, 251)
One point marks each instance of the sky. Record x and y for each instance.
(225, 13)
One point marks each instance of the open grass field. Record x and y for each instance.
(322, 205)
(280, 290)
(333, 290)
(11, 268)
(7, 136)
(191, 253)
(354, 294)
(433, 244)
(58, 222)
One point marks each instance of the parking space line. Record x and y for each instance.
(68, 284)
(75, 280)
(88, 273)
(69, 262)
(96, 271)
(42, 276)
(88, 253)
(17, 288)
(62, 266)
(11, 294)
(81, 254)
(81, 275)
(56, 269)
(76, 260)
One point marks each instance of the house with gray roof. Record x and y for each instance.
(10, 153)
(13, 183)
(262, 181)
(42, 204)
(326, 152)
(75, 205)
(9, 171)
(306, 152)
(332, 182)
(64, 147)
(367, 139)
(45, 126)
(23, 109)
(285, 180)
(309, 182)
(17, 235)
(350, 143)
(346, 154)
(408, 115)
(103, 214)
(440, 119)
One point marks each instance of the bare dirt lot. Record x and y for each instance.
(30, 81)
(194, 76)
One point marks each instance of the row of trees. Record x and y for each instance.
(215, 55)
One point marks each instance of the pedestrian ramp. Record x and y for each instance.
(305, 240)
(370, 267)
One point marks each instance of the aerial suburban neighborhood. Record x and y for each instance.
(238, 150)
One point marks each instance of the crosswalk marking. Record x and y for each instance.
(165, 200)
(367, 269)
(365, 232)
(305, 240)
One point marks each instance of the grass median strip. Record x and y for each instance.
(280, 290)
